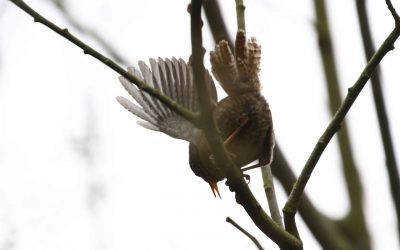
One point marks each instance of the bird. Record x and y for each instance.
(243, 118)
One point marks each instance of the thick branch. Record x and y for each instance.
(190, 116)
(234, 176)
(353, 92)
(376, 82)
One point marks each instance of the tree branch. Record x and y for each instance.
(190, 116)
(216, 22)
(324, 229)
(235, 179)
(241, 24)
(251, 237)
(353, 92)
(62, 6)
(392, 10)
(270, 193)
(376, 82)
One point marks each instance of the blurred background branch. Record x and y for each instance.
(383, 119)
(216, 22)
(62, 6)
(185, 113)
(354, 222)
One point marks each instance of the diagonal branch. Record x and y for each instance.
(190, 116)
(376, 82)
(216, 22)
(353, 92)
(324, 229)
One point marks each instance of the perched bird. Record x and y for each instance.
(243, 118)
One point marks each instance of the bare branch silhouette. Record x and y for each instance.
(355, 217)
(251, 237)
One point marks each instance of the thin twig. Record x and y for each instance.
(251, 237)
(190, 116)
(376, 82)
(392, 10)
(270, 193)
(235, 179)
(353, 92)
(241, 23)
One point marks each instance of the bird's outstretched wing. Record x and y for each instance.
(174, 78)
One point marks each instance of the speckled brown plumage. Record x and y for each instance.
(247, 145)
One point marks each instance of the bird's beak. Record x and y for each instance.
(214, 189)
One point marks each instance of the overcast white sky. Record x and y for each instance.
(76, 172)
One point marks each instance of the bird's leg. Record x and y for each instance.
(247, 176)
(243, 120)
(262, 161)
(259, 164)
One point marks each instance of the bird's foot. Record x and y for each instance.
(247, 177)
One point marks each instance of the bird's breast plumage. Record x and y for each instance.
(247, 114)
(252, 110)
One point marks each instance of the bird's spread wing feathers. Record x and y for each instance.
(174, 79)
